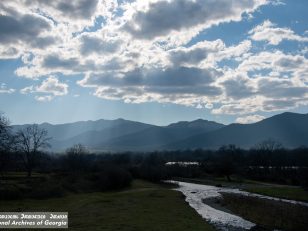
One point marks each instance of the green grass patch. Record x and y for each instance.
(296, 194)
(140, 208)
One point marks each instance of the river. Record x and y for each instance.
(196, 193)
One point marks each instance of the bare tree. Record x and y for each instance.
(76, 158)
(266, 150)
(229, 160)
(6, 142)
(31, 143)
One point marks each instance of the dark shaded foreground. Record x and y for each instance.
(267, 213)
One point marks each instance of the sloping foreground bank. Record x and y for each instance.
(144, 206)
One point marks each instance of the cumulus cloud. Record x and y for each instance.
(52, 85)
(199, 106)
(93, 44)
(181, 85)
(9, 52)
(162, 18)
(127, 101)
(140, 53)
(206, 51)
(58, 10)
(25, 28)
(274, 36)
(44, 98)
(249, 119)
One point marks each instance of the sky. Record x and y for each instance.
(155, 61)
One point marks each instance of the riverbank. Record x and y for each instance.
(231, 208)
(143, 206)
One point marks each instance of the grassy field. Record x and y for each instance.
(274, 214)
(297, 194)
(144, 206)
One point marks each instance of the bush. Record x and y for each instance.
(150, 173)
(113, 178)
(10, 193)
(47, 190)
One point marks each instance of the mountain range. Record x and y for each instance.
(123, 135)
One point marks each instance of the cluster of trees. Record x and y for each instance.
(267, 160)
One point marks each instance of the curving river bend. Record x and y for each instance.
(196, 193)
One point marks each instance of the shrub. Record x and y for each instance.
(152, 173)
(113, 178)
(47, 190)
(10, 193)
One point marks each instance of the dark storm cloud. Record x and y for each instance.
(96, 45)
(23, 29)
(164, 17)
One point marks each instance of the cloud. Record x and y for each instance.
(180, 85)
(276, 61)
(207, 51)
(249, 119)
(199, 106)
(277, 2)
(162, 18)
(144, 51)
(92, 44)
(25, 28)
(3, 87)
(274, 36)
(127, 101)
(10, 91)
(59, 10)
(9, 52)
(239, 87)
(76, 95)
(27, 89)
(52, 85)
(44, 98)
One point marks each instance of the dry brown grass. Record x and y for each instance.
(276, 214)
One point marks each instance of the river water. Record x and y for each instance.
(195, 193)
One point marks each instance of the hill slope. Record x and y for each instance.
(153, 137)
(289, 128)
(65, 131)
(91, 138)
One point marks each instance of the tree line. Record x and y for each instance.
(26, 149)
